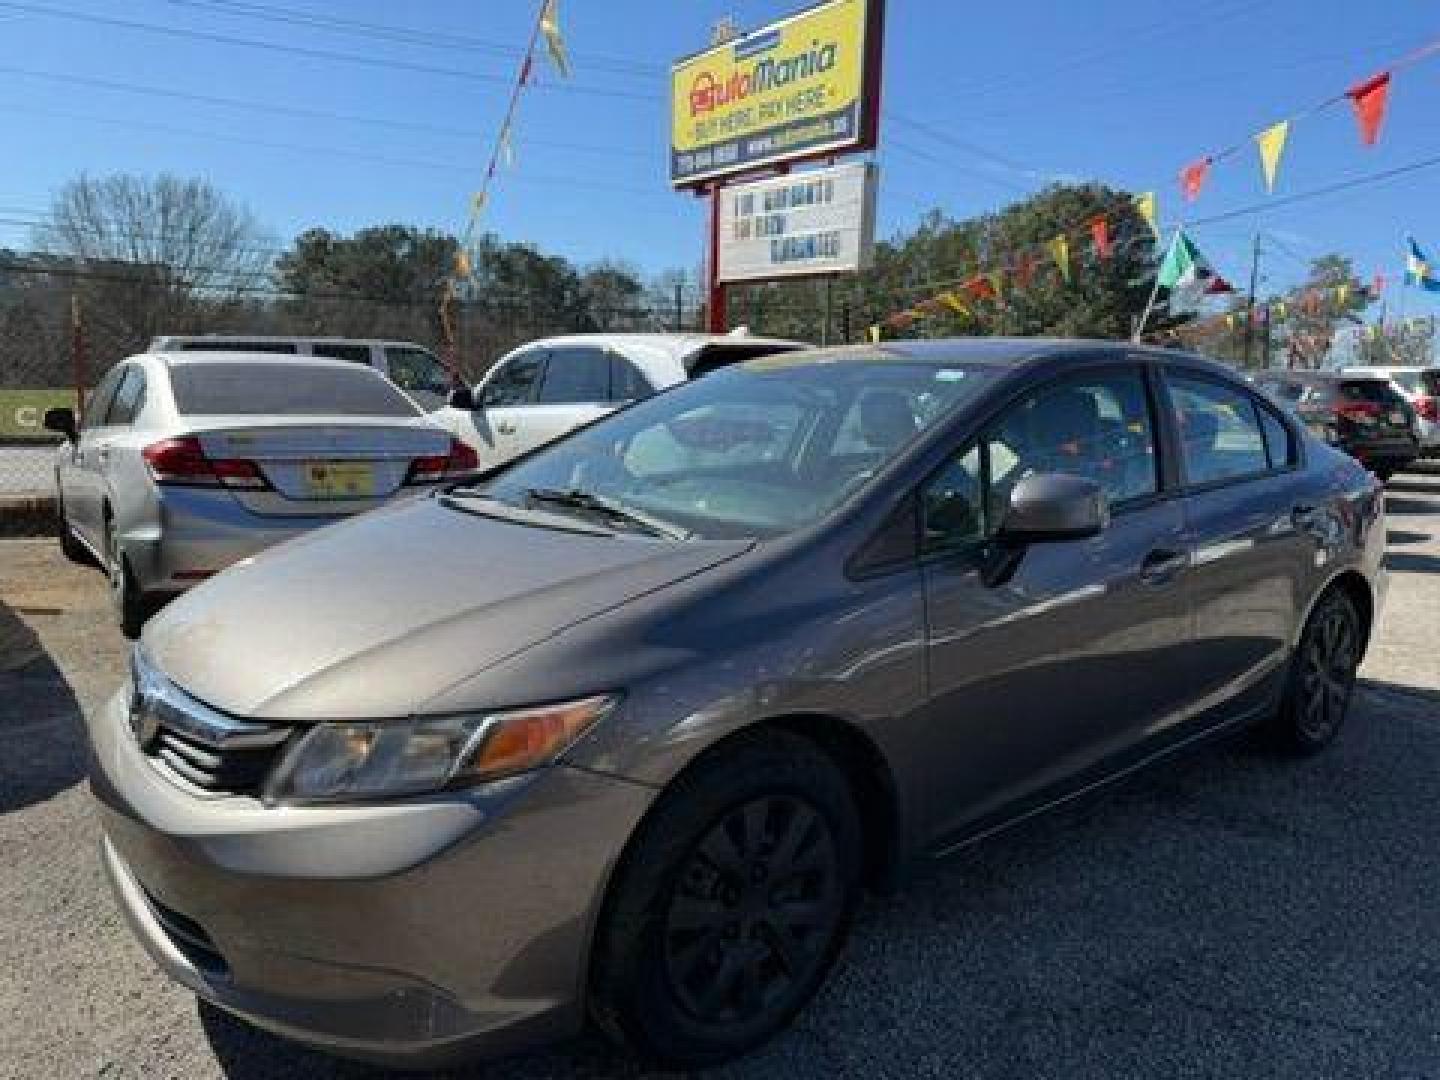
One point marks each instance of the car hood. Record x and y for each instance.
(377, 616)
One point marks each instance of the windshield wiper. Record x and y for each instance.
(607, 509)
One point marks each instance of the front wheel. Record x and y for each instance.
(1322, 677)
(731, 904)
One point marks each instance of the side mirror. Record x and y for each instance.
(462, 397)
(1054, 506)
(61, 421)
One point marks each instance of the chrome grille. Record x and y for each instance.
(189, 741)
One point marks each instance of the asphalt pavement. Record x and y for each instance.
(1230, 915)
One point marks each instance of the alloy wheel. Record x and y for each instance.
(1327, 675)
(754, 909)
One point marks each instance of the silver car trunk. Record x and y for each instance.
(321, 465)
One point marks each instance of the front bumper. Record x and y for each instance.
(415, 933)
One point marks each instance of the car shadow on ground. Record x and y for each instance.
(42, 738)
(1188, 914)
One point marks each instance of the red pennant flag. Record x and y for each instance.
(525, 69)
(1218, 286)
(980, 288)
(1369, 99)
(1378, 285)
(1192, 178)
(1100, 234)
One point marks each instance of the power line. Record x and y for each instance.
(406, 35)
(308, 52)
(299, 112)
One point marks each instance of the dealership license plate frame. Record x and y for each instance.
(338, 481)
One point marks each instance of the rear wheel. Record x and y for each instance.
(132, 607)
(731, 905)
(1322, 677)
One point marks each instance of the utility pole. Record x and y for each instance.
(1250, 303)
(679, 302)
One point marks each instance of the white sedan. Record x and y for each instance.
(548, 387)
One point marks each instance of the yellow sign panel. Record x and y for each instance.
(340, 479)
(797, 87)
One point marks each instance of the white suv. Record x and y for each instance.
(1421, 387)
(415, 370)
(544, 389)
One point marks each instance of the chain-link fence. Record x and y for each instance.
(37, 372)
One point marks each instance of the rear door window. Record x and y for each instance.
(573, 376)
(285, 347)
(1219, 427)
(417, 371)
(1374, 391)
(300, 389)
(97, 405)
(626, 382)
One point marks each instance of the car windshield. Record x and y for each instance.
(755, 450)
(284, 389)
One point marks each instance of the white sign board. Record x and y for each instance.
(817, 222)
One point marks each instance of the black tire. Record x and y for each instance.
(690, 965)
(1322, 677)
(132, 607)
(70, 545)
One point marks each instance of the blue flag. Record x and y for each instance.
(1419, 271)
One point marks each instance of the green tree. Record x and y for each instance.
(1331, 296)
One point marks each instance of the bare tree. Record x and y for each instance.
(155, 255)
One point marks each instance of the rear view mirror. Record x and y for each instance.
(60, 420)
(462, 397)
(1054, 506)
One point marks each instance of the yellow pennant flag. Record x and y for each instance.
(1230, 322)
(462, 263)
(953, 301)
(997, 282)
(554, 43)
(1271, 142)
(1278, 309)
(1060, 252)
(477, 204)
(1145, 207)
(1342, 293)
(875, 334)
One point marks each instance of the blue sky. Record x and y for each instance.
(1123, 91)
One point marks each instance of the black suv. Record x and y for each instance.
(1364, 416)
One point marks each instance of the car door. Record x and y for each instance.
(117, 459)
(79, 470)
(1076, 659)
(1252, 528)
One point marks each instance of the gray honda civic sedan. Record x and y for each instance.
(617, 734)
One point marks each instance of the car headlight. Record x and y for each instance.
(366, 760)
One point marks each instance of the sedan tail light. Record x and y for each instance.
(182, 463)
(455, 465)
(1427, 408)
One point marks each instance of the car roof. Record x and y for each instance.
(674, 344)
(1009, 352)
(162, 342)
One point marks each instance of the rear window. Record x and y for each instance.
(1378, 391)
(208, 389)
(719, 355)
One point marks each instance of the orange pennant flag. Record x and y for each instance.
(1100, 236)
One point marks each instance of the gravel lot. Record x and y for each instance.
(1230, 915)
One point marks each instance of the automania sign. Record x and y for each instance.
(795, 88)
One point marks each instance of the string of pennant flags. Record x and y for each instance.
(1368, 99)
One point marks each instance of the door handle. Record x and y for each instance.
(1161, 565)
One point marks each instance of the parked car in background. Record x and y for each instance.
(415, 370)
(186, 463)
(548, 387)
(622, 735)
(1421, 387)
(1364, 415)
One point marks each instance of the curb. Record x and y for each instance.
(27, 515)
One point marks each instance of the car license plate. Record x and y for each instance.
(339, 479)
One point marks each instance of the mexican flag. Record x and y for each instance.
(1187, 274)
